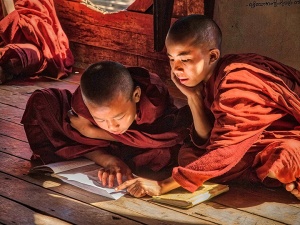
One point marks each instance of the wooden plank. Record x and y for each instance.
(225, 215)
(87, 55)
(27, 86)
(112, 39)
(56, 205)
(162, 14)
(263, 202)
(15, 213)
(10, 113)
(134, 22)
(13, 130)
(15, 147)
(13, 98)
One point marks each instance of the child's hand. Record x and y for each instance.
(187, 91)
(82, 125)
(140, 187)
(114, 169)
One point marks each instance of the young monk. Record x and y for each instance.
(124, 120)
(32, 41)
(253, 103)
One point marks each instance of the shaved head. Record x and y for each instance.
(197, 29)
(102, 82)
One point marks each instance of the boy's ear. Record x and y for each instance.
(137, 94)
(214, 55)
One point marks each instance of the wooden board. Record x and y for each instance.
(126, 36)
(15, 213)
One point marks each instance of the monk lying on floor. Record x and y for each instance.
(32, 41)
(253, 103)
(122, 118)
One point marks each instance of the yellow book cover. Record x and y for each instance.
(182, 198)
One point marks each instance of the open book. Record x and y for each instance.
(181, 198)
(82, 173)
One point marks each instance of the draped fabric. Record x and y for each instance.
(256, 106)
(33, 41)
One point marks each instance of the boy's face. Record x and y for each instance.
(116, 116)
(191, 64)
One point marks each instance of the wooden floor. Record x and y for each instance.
(42, 200)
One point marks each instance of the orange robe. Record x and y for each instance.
(255, 105)
(152, 141)
(33, 41)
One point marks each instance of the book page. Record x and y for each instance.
(87, 179)
(62, 166)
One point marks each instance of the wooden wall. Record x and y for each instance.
(126, 36)
(268, 28)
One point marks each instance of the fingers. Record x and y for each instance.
(290, 186)
(106, 178)
(125, 184)
(119, 178)
(111, 179)
(71, 113)
(100, 173)
(72, 116)
(133, 188)
(136, 191)
(175, 79)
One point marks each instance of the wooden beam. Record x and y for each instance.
(162, 14)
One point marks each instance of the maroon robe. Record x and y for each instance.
(256, 106)
(152, 140)
(33, 41)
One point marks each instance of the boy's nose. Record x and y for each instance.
(178, 65)
(112, 124)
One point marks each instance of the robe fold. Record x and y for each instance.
(152, 141)
(256, 107)
(33, 41)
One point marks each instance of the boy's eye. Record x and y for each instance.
(185, 60)
(119, 118)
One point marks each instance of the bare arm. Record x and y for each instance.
(195, 101)
(201, 122)
(87, 129)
